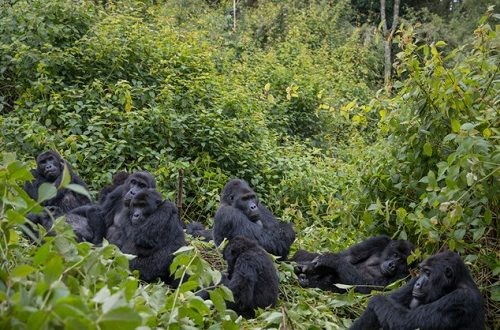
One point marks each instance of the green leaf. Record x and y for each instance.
(274, 318)
(46, 191)
(66, 177)
(487, 132)
(15, 217)
(217, 298)
(495, 293)
(188, 286)
(53, 269)
(428, 149)
(22, 271)
(79, 189)
(455, 125)
(122, 318)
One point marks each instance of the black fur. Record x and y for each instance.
(152, 232)
(50, 166)
(443, 296)
(369, 265)
(251, 276)
(241, 213)
(197, 229)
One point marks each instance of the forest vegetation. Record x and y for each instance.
(288, 95)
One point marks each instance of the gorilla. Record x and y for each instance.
(45, 218)
(115, 205)
(118, 179)
(50, 166)
(443, 296)
(369, 265)
(241, 213)
(251, 276)
(152, 232)
(102, 220)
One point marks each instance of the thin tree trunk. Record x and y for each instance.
(388, 35)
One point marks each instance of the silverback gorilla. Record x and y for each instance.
(251, 276)
(241, 213)
(50, 166)
(153, 232)
(369, 265)
(443, 296)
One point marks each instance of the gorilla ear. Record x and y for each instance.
(448, 272)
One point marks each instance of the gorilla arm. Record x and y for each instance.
(231, 222)
(444, 313)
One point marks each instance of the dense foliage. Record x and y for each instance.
(287, 99)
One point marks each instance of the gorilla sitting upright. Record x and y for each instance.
(443, 296)
(241, 213)
(251, 276)
(50, 167)
(369, 265)
(152, 232)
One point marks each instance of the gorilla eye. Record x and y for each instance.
(133, 181)
(395, 255)
(231, 197)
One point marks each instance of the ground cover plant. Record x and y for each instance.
(289, 97)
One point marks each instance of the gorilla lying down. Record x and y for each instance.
(369, 265)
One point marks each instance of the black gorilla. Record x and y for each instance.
(443, 296)
(50, 166)
(45, 218)
(241, 213)
(369, 265)
(197, 229)
(103, 219)
(152, 232)
(115, 206)
(251, 276)
(118, 179)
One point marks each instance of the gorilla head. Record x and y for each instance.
(50, 165)
(143, 205)
(136, 182)
(238, 194)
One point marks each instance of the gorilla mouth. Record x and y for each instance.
(417, 294)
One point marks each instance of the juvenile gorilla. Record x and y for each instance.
(152, 233)
(50, 166)
(443, 296)
(369, 265)
(115, 206)
(251, 276)
(104, 219)
(118, 179)
(241, 213)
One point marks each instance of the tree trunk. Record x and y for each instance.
(388, 35)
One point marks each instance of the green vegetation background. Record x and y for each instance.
(289, 98)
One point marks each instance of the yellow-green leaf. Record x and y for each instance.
(455, 125)
(427, 149)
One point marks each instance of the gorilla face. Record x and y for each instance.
(143, 205)
(237, 193)
(394, 258)
(435, 280)
(135, 183)
(50, 165)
